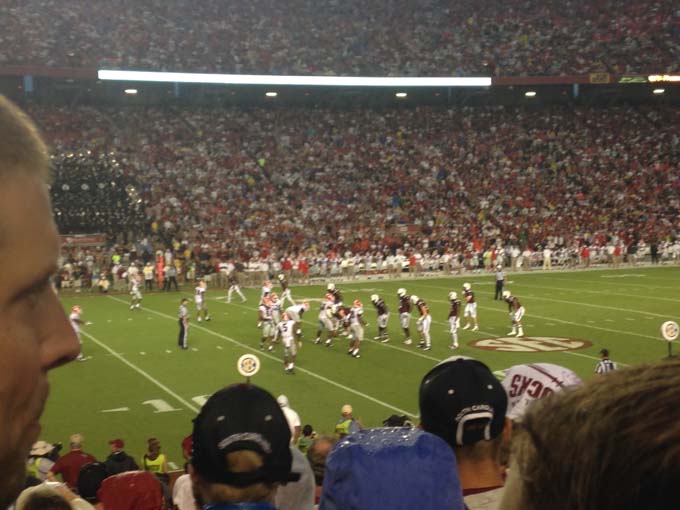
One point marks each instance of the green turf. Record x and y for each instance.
(135, 359)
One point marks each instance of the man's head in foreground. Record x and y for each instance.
(35, 335)
(462, 402)
(241, 447)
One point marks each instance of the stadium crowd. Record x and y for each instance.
(350, 38)
(441, 185)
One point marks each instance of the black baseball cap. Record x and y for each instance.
(462, 402)
(242, 417)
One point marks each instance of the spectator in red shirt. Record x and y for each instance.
(69, 465)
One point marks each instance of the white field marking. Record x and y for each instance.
(142, 353)
(220, 347)
(129, 318)
(194, 349)
(387, 345)
(274, 358)
(168, 351)
(139, 370)
(591, 357)
(117, 410)
(172, 465)
(617, 283)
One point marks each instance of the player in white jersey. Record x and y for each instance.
(295, 313)
(326, 319)
(76, 322)
(266, 323)
(234, 286)
(266, 290)
(285, 289)
(201, 304)
(136, 292)
(286, 330)
(356, 327)
(424, 322)
(275, 305)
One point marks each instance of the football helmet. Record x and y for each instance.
(305, 305)
(266, 301)
(506, 294)
(329, 297)
(414, 299)
(453, 295)
(467, 286)
(76, 309)
(274, 296)
(330, 287)
(267, 283)
(285, 317)
(375, 298)
(281, 277)
(401, 292)
(357, 303)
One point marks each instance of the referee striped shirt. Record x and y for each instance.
(604, 366)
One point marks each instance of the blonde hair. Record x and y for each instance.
(613, 443)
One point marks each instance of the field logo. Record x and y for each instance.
(248, 365)
(530, 344)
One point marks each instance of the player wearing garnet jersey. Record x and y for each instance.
(470, 306)
(337, 295)
(424, 322)
(201, 305)
(136, 292)
(266, 323)
(341, 317)
(234, 286)
(405, 314)
(383, 315)
(285, 289)
(454, 319)
(325, 319)
(516, 311)
(356, 326)
(286, 329)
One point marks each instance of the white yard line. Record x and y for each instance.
(274, 358)
(592, 357)
(600, 292)
(139, 370)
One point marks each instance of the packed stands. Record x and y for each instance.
(348, 38)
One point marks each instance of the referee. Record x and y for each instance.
(605, 364)
(183, 323)
(500, 281)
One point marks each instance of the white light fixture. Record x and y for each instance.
(271, 94)
(131, 92)
(659, 91)
(530, 93)
(309, 81)
(401, 94)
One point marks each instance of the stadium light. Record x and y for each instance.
(309, 81)
(401, 94)
(131, 92)
(271, 94)
(530, 93)
(659, 91)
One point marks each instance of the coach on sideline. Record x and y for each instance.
(35, 335)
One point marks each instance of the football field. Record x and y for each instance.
(138, 383)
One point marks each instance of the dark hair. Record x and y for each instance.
(605, 353)
(307, 430)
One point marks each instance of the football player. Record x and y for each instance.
(285, 289)
(405, 314)
(76, 322)
(470, 306)
(275, 305)
(516, 311)
(454, 319)
(341, 317)
(266, 323)
(285, 329)
(383, 315)
(356, 325)
(201, 305)
(335, 292)
(295, 313)
(423, 323)
(234, 286)
(326, 319)
(266, 290)
(136, 292)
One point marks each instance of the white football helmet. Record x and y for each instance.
(281, 276)
(506, 294)
(330, 286)
(375, 298)
(401, 292)
(453, 295)
(414, 299)
(467, 286)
